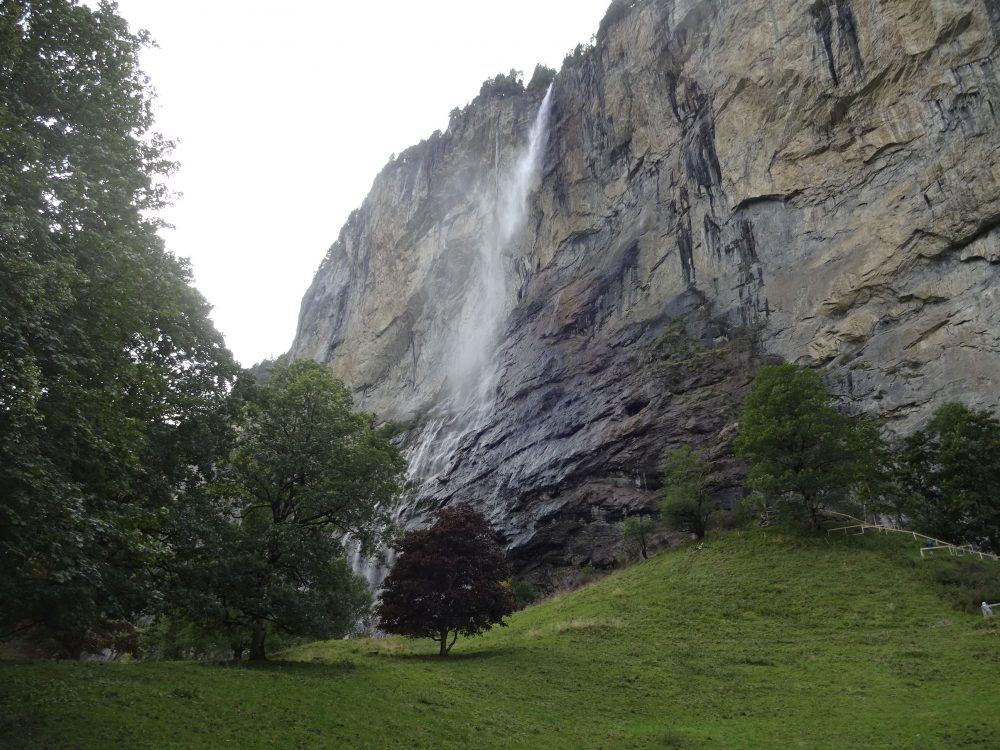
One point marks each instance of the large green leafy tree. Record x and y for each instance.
(110, 370)
(305, 471)
(802, 451)
(949, 476)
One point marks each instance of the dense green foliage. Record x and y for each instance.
(540, 79)
(449, 579)
(685, 502)
(758, 640)
(304, 471)
(501, 86)
(803, 452)
(636, 531)
(524, 593)
(137, 477)
(110, 370)
(577, 56)
(943, 480)
(949, 477)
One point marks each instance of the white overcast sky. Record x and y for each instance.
(285, 112)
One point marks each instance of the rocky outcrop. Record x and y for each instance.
(722, 181)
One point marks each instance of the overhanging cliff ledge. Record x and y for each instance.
(718, 183)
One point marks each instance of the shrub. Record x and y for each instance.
(524, 592)
(968, 581)
(637, 530)
(684, 501)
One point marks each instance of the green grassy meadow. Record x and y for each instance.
(760, 639)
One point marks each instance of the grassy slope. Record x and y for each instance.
(759, 640)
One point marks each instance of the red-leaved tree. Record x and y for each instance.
(448, 579)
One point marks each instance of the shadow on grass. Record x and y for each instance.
(487, 653)
(321, 668)
(318, 669)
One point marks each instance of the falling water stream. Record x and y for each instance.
(473, 370)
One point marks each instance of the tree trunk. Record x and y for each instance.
(71, 644)
(700, 524)
(443, 633)
(257, 634)
(813, 514)
(238, 650)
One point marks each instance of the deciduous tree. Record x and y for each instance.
(949, 476)
(802, 450)
(637, 530)
(109, 364)
(304, 472)
(684, 500)
(449, 579)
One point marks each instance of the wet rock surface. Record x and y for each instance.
(722, 182)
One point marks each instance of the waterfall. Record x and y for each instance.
(473, 370)
(474, 344)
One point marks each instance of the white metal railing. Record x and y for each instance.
(860, 527)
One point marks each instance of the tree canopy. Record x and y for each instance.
(540, 79)
(949, 476)
(684, 499)
(108, 360)
(637, 530)
(449, 579)
(304, 472)
(137, 475)
(802, 450)
(502, 86)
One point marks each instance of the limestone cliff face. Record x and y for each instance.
(722, 181)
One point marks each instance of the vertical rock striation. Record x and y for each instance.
(722, 181)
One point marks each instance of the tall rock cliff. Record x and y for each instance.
(716, 182)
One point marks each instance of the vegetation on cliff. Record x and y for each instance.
(540, 79)
(502, 85)
(617, 10)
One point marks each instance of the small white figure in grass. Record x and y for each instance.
(987, 610)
